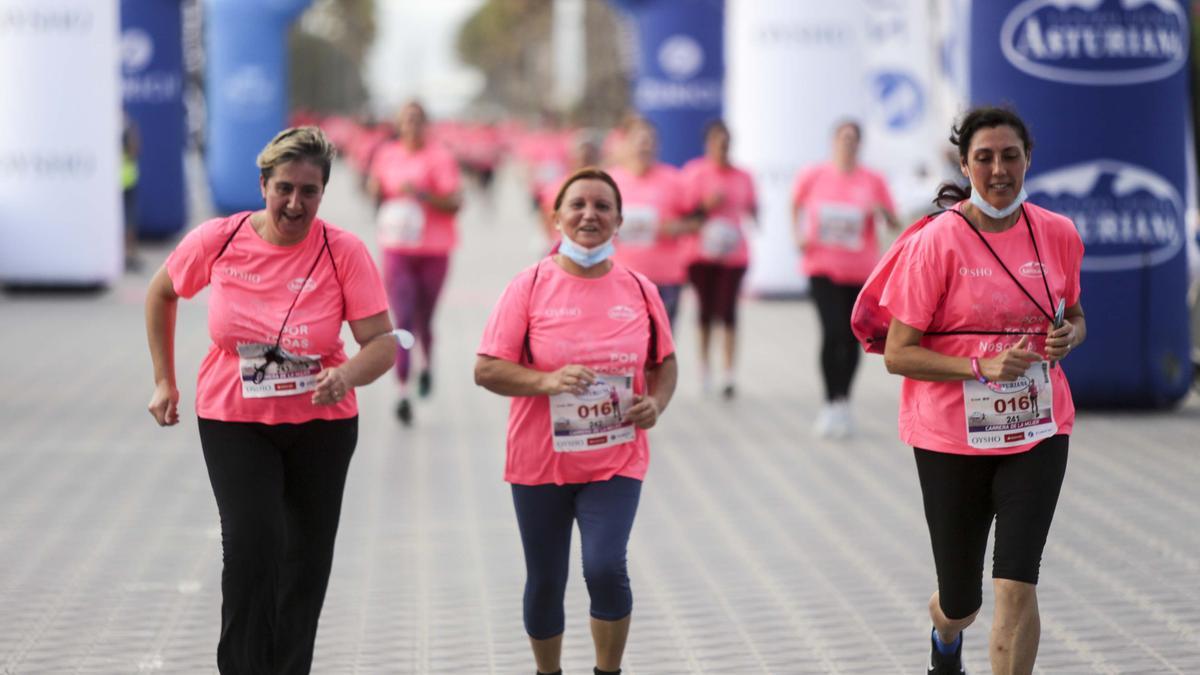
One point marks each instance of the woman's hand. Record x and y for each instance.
(1059, 341)
(1009, 364)
(164, 404)
(572, 379)
(643, 413)
(331, 387)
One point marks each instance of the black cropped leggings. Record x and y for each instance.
(839, 348)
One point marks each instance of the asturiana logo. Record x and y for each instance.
(1097, 42)
(1127, 215)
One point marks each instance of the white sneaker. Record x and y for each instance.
(826, 419)
(843, 422)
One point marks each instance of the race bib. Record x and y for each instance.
(1014, 413)
(547, 172)
(593, 420)
(400, 222)
(266, 371)
(639, 226)
(720, 237)
(841, 226)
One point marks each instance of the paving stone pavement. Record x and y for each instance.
(757, 548)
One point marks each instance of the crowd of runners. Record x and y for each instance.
(983, 405)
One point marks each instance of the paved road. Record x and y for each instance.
(757, 548)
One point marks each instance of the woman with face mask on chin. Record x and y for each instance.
(583, 345)
(278, 418)
(984, 301)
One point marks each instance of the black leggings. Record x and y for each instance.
(963, 493)
(839, 348)
(279, 493)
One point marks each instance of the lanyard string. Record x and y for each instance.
(313, 268)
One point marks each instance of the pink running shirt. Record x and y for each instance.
(703, 177)
(838, 221)
(649, 201)
(946, 280)
(430, 169)
(599, 323)
(253, 284)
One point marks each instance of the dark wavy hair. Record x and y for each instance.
(986, 117)
(588, 173)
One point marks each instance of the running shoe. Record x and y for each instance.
(945, 664)
(424, 383)
(842, 424)
(404, 412)
(823, 427)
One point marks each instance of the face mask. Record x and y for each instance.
(586, 257)
(993, 212)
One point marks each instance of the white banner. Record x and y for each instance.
(60, 133)
(793, 70)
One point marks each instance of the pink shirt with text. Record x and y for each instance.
(431, 169)
(838, 221)
(601, 323)
(649, 201)
(253, 283)
(946, 280)
(703, 178)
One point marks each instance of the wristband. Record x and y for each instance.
(976, 372)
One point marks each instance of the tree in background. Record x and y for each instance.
(328, 49)
(509, 41)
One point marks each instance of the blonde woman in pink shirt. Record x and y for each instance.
(836, 206)
(583, 346)
(984, 301)
(416, 182)
(275, 398)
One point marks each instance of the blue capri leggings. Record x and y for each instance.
(545, 515)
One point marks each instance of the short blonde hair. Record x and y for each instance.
(297, 143)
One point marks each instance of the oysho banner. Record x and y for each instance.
(152, 88)
(680, 70)
(1103, 86)
(247, 81)
(60, 194)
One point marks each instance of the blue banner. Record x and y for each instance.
(247, 77)
(1103, 86)
(152, 89)
(680, 70)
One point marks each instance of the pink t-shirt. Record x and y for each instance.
(839, 221)
(722, 238)
(603, 324)
(429, 169)
(648, 202)
(946, 280)
(253, 284)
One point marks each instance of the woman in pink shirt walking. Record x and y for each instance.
(275, 397)
(583, 346)
(416, 182)
(975, 298)
(834, 207)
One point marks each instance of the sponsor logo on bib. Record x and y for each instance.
(1128, 216)
(1097, 42)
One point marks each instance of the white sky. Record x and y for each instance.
(414, 55)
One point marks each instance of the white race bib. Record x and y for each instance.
(1015, 413)
(288, 375)
(720, 237)
(841, 226)
(639, 226)
(595, 419)
(400, 222)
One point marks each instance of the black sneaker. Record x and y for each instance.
(404, 412)
(424, 383)
(945, 664)
(728, 392)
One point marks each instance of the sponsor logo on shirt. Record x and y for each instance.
(1128, 216)
(239, 274)
(294, 285)
(556, 312)
(622, 313)
(1033, 269)
(974, 271)
(1096, 42)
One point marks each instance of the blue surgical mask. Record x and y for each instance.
(993, 212)
(586, 257)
